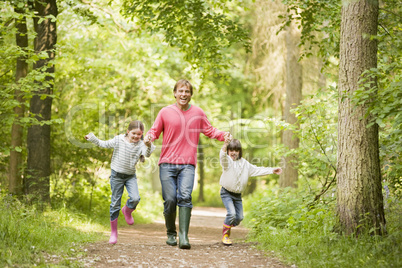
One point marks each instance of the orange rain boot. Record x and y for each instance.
(226, 234)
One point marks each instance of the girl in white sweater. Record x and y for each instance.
(234, 178)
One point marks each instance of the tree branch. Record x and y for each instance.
(319, 143)
(385, 29)
(121, 27)
(386, 10)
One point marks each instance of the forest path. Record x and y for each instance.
(144, 245)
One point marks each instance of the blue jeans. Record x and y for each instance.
(177, 185)
(234, 207)
(117, 183)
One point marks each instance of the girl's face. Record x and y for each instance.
(134, 135)
(233, 154)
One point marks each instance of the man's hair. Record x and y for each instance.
(183, 82)
(235, 145)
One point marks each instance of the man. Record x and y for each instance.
(181, 124)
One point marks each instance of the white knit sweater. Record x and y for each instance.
(125, 154)
(235, 174)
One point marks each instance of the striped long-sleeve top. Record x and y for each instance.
(125, 154)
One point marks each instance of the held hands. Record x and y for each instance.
(228, 138)
(147, 140)
(277, 170)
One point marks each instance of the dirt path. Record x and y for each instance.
(143, 245)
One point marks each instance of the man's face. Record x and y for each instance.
(183, 96)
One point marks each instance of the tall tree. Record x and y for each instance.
(293, 98)
(38, 141)
(14, 176)
(359, 196)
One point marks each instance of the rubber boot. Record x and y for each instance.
(226, 235)
(113, 234)
(127, 215)
(170, 223)
(184, 224)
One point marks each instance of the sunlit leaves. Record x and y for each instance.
(201, 32)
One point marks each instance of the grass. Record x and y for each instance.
(29, 236)
(27, 233)
(306, 237)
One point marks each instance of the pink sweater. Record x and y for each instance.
(181, 133)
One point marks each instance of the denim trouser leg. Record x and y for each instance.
(177, 186)
(117, 183)
(234, 207)
(133, 193)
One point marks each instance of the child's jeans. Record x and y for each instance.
(117, 183)
(234, 207)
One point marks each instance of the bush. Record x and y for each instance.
(281, 222)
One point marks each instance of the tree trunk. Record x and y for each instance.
(14, 175)
(200, 160)
(359, 195)
(293, 98)
(38, 142)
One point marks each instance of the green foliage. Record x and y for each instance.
(301, 235)
(317, 132)
(320, 22)
(35, 80)
(317, 116)
(201, 32)
(27, 233)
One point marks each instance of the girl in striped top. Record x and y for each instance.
(128, 148)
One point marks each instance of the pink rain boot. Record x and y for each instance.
(127, 215)
(113, 235)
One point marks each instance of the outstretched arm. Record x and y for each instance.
(255, 171)
(210, 131)
(104, 144)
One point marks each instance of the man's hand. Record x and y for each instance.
(147, 140)
(227, 137)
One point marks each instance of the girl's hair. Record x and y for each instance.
(134, 125)
(183, 82)
(235, 145)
